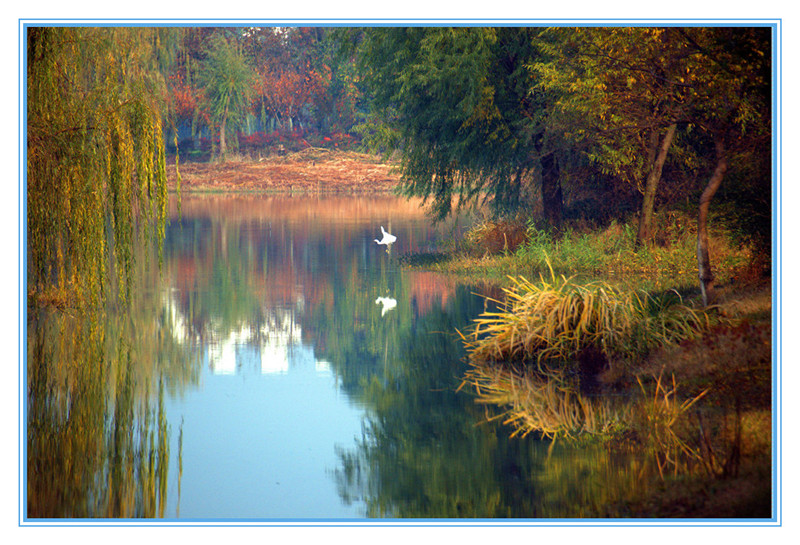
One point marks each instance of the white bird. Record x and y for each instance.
(387, 238)
(388, 304)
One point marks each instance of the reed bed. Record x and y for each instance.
(557, 318)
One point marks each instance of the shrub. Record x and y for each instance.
(494, 237)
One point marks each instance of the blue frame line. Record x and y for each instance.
(777, 274)
(777, 278)
(398, 22)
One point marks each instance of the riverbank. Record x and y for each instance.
(702, 407)
(721, 467)
(313, 170)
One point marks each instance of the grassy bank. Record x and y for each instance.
(499, 249)
(310, 171)
(596, 340)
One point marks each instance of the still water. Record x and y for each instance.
(302, 325)
(284, 366)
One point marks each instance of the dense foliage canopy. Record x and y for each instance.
(96, 170)
(493, 111)
(461, 104)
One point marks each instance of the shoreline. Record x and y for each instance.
(309, 171)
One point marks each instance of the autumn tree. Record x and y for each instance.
(296, 79)
(292, 77)
(184, 100)
(638, 91)
(342, 104)
(628, 90)
(282, 92)
(95, 154)
(186, 108)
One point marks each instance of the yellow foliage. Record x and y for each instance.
(95, 152)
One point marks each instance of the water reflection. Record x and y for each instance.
(318, 282)
(98, 441)
(309, 376)
(293, 309)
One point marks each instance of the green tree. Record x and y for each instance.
(627, 89)
(458, 103)
(639, 91)
(95, 154)
(226, 79)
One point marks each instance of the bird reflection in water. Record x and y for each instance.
(388, 304)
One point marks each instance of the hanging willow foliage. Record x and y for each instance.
(96, 170)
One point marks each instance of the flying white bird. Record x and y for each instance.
(388, 304)
(387, 238)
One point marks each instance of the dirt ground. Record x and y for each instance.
(310, 170)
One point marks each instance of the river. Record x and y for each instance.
(283, 366)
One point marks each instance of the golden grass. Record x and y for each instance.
(557, 318)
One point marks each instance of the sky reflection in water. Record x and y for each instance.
(263, 289)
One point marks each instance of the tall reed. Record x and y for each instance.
(559, 317)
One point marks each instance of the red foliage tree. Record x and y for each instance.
(183, 98)
(281, 91)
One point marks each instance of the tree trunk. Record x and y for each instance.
(552, 196)
(703, 261)
(223, 148)
(651, 187)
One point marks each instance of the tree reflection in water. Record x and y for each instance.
(427, 451)
(97, 441)
(249, 281)
(97, 438)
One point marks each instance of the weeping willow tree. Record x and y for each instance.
(97, 445)
(96, 169)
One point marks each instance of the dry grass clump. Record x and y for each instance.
(494, 237)
(556, 319)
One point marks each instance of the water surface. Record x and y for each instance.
(298, 320)
(283, 366)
